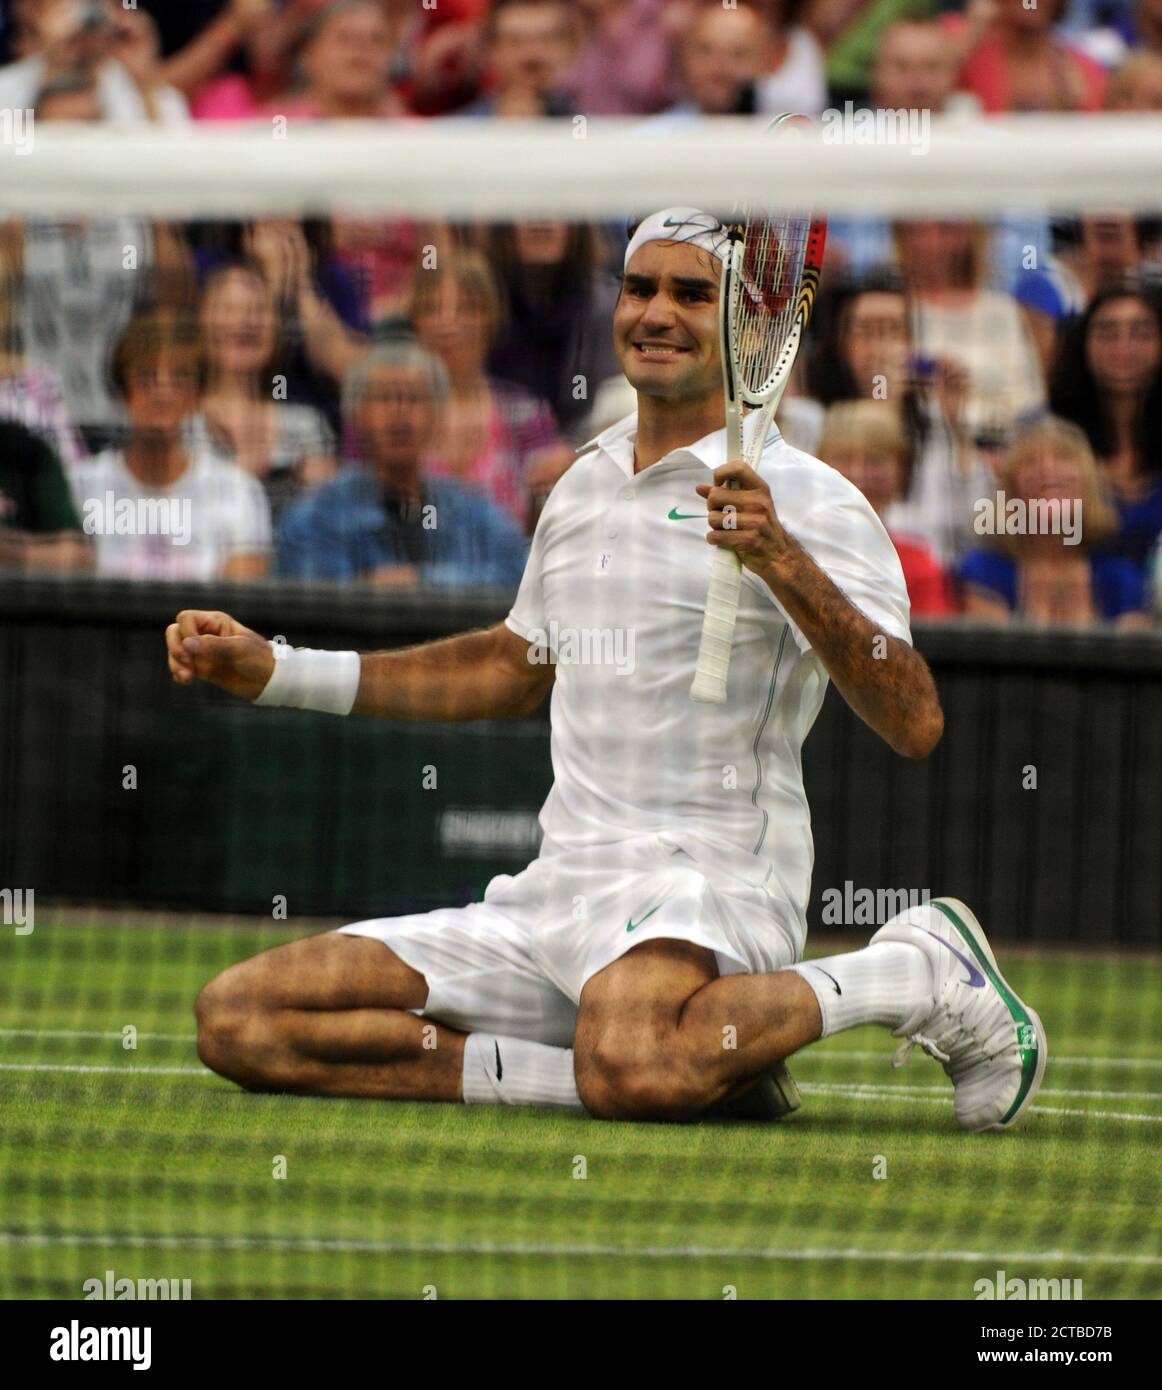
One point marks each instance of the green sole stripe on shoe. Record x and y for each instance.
(1027, 1043)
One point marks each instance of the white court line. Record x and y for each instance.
(1093, 1114)
(916, 1095)
(943, 1090)
(308, 1244)
(91, 1033)
(1056, 1059)
(908, 1095)
(1103, 1095)
(813, 1054)
(118, 1071)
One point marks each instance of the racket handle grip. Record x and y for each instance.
(709, 685)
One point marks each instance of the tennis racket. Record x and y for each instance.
(769, 279)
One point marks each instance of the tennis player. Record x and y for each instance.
(648, 963)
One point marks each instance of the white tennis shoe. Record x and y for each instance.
(990, 1042)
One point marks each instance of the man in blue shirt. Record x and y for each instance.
(382, 520)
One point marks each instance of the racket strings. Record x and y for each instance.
(767, 297)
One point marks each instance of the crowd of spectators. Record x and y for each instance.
(390, 401)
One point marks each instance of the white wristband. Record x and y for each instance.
(304, 678)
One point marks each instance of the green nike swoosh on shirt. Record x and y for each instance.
(676, 515)
(631, 925)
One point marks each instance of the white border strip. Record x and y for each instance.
(588, 170)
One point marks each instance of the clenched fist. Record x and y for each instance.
(214, 647)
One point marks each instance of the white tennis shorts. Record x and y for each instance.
(516, 963)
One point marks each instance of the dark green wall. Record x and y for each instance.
(235, 805)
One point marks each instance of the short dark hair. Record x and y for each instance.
(148, 335)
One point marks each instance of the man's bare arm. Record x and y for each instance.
(884, 681)
(476, 675)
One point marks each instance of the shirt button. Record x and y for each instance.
(612, 533)
(627, 494)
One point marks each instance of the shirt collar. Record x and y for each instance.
(618, 440)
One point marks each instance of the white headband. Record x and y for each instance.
(680, 224)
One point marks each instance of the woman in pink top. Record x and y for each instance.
(1012, 60)
(321, 58)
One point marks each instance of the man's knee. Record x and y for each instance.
(622, 1076)
(237, 1037)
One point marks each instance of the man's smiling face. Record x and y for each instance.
(665, 325)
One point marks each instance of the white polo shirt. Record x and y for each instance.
(615, 587)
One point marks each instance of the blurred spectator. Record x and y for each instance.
(718, 60)
(79, 283)
(735, 62)
(528, 45)
(794, 76)
(383, 520)
(1146, 32)
(850, 32)
(558, 300)
(1108, 380)
(1013, 60)
(624, 66)
(1109, 31)
(342, 66)
(956, 319)
(181, 25)
(96, 40)
(491, 431)
(865, 442)
(69, 96)
(244, 417)
(320, 306)
(440, 53)
(865, 352)
(39, 525)
(201, 39)
(157, 509)
(1046, 570)
(17, 29)
(1137, 84)
(1089, 252)
(136, 46)
(30, 396)
(915, 69)
(380, 256)
(434, 63)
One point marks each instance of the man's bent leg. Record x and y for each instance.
(328, 1015)
(661, 1036)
